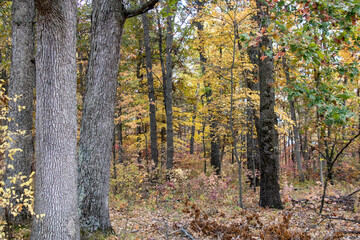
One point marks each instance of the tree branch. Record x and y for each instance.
(140, 10)
(341, 151)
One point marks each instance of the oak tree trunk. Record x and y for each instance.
(56, 128)
(252, 146)
(97, 125)
(96, 132)
(268, 136)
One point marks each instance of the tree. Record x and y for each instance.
(214, 138)
(97, 124)
(168, 88)
(56, 128)
(267, 135)
(295, 127)
(21, 94)
(151, 93)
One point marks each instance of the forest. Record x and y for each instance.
(169, 119)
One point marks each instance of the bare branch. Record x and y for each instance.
(140, 10)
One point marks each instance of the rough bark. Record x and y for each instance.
(151, 91)
(252, 146)
(295, 126)
(168, 93)
(56, 128)
(21, 84)
(96, 131)
(268, 136)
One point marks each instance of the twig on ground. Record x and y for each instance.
(347, 196)
(340, 218)
(351, 232)
(183, 230)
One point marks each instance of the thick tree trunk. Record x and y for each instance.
(151, 93)
(22, 83)
(168, 93)
(268, 136)
(97, 123)
(56, 128)
(295, 126)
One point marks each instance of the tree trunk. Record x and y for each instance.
(231, 123)
(214, 138)
(120, 138)
(96, 131)
(192, 134)
(358, 95)
(56, 128)
(168, 92)
(295, 126)
(151, 93)
(268, 136)
(22, 83)
(98, 116)
(320, 132)
(252, 147)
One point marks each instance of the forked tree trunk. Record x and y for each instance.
(56, 128)
(21, 84)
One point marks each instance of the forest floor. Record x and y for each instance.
(191, 206)
(188, 204)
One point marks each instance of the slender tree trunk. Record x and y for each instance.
(168, 92)
(285, 151)
(114, 161)
(204, 145)
(231, 123)
(151, 93)
(192, 134)
(295, 126)
(268, 136)
(358, 95)
(214, 138)
(120, 138)
(56, 128)
(320, 132)
(21, 94)
(163, 71)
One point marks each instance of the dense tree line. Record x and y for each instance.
(245, 80)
